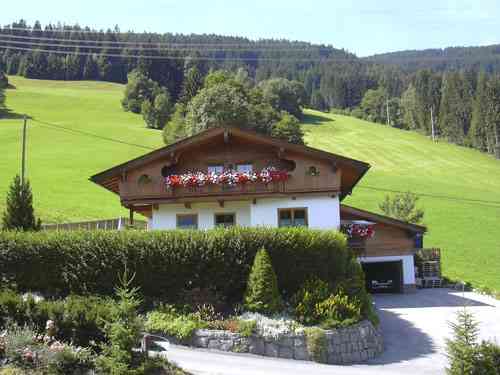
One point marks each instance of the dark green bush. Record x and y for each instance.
(262, 294)
(169, 262)
(307, 297)
(338, 310)
(488, 359)
(78, 319)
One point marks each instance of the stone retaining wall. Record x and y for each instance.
(354, 344)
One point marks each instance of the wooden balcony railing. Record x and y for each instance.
(156, 188)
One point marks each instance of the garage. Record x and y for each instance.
(384, 277)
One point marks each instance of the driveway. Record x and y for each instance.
(414, 327)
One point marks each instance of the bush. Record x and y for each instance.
(488, 359)
(169, 262)
(305, 300)
(338, 311)
(246, 328)
(180, 326)
(78, 319)
(262, 293)
(462, 349)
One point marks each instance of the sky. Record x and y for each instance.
(364, 27)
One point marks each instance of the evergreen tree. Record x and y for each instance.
(409, 108)
(156, 114)
(3, 84)
(193, 82)
(175, 129)
(403, 207)
(462, 349)
(123, 330)
(19, 213)
(90, 69)
(455, 110)
(493, 116)
(262, 293)
(288, 128)
(479, 125)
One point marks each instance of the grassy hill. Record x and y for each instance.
(459, 184)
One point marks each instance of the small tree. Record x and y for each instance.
(123, 330)
(288, 128)
(262, 293)
(157, 113)
(175, 129)
(462, 349)
(19, 213)
(403, 207)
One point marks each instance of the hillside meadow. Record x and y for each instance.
(459, 187)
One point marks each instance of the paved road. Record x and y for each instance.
(414, 326)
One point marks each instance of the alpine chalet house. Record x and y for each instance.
(230, 176)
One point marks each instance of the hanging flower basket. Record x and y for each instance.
(356, 230)
(197, 179)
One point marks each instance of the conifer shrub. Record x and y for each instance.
(262, 294)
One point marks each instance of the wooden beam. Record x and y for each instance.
(221, 203)
(254, 201)
(156, 206)
(187, 205)
(226, 135)
(131, 216)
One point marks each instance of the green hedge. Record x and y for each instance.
(168, 262)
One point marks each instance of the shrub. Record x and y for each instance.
(317, 344)
(181, 327)
(123, 330)
(271, 327)
(78, 319)
(262, 293)
(488, 359)
(166, 263)
(305, 300)
(338, 311)
(246, 328)
(461, 350)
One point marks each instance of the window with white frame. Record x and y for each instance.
(187, 221)
(244, 168)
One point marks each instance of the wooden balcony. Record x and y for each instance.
(157, 189)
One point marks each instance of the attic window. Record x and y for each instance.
(313, 171)
(144, 180)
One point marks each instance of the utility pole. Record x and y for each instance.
(23, 160)
(387, 111)
(432, 124)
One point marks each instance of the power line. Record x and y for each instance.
(156, 45)
(201, 58)
(468, 200)
(139, 47)
(65, 129)
(488, 203)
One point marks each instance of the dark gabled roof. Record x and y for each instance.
(104, 177)
(377, 218)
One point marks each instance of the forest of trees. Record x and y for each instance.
(453, 91)
(3, 85)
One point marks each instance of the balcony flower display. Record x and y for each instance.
(358, 230)
(229, 177)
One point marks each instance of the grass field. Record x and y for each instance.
(459, 184)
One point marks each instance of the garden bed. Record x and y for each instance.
(354, 344)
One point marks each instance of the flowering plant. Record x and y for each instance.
(362, 231)
(229, 177)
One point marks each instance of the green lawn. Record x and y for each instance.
(467, 232)
(60, 162)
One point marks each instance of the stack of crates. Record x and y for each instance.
(431, 274)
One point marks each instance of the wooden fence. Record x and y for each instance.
(111, 224)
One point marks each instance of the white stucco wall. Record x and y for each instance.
(323, 211)
(165, 217)
(408, 265)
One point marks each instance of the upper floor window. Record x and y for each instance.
(292, 217)
(244, 168)
(216, 168)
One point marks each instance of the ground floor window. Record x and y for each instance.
(225, 220)
(187, 221)
(292, 217)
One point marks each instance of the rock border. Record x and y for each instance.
(355, 344)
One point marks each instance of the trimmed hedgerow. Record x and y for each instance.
(169, 262)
